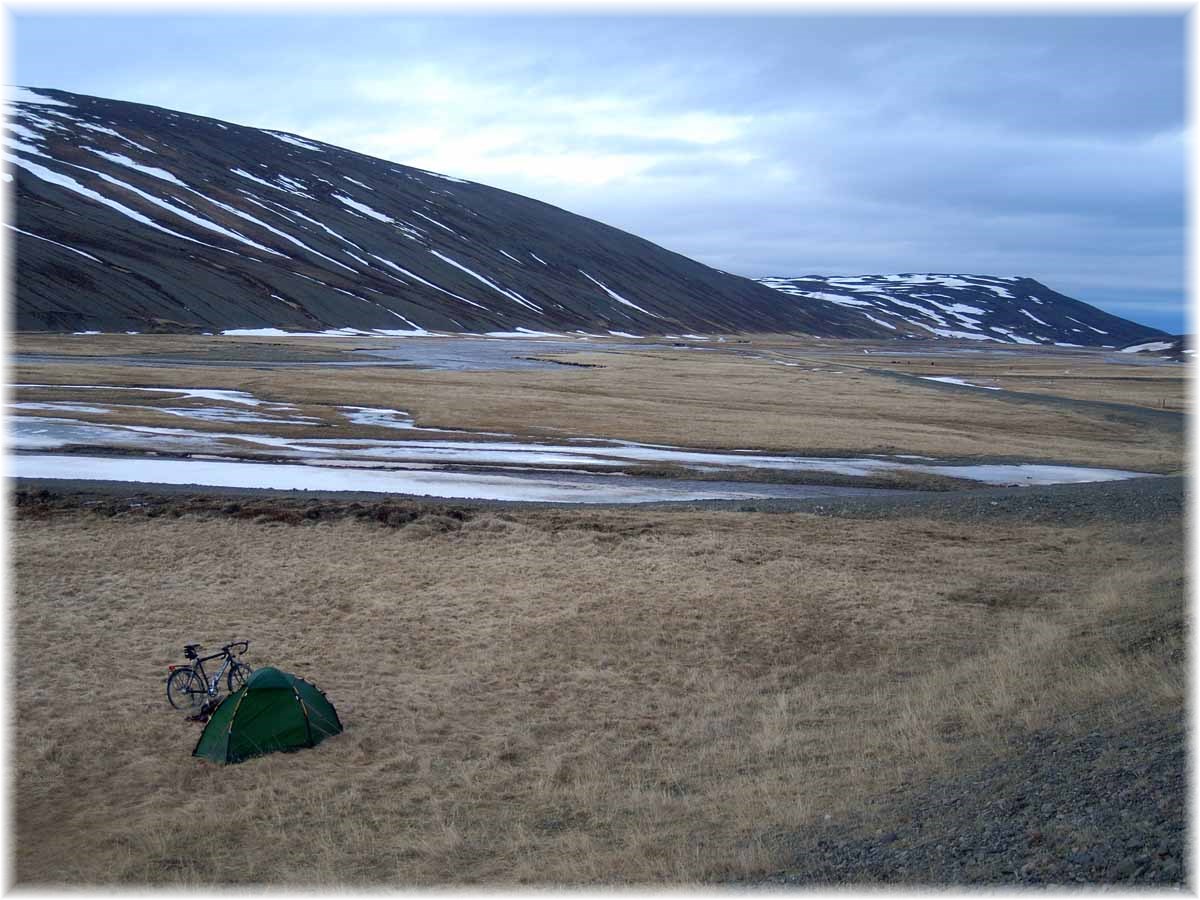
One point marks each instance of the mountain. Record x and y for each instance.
(969, 307)
(132, 217)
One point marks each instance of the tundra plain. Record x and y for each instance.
(765, 393)
(563, 695)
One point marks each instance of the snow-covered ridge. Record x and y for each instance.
(992, 308)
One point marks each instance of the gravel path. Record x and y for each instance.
(1106, 807)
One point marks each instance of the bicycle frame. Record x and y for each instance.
(211, 684)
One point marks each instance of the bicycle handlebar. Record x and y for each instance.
(233, 648)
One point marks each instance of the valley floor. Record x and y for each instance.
(697, 693)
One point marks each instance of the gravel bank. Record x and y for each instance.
(1105, 807)
(1135, 500)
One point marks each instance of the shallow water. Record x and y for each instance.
(539, 488)
(44, 433)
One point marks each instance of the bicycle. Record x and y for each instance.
(189, 687)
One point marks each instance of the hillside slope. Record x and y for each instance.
(132, 217)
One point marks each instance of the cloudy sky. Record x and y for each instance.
(782, 144)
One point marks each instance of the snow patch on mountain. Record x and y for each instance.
(362, 208)
(615, 295)
(55, 243)
(880, 321)
(445, 177)
(123, 160)
(294, 141)
(16, 94)
(1149, 347)
(186, 215)
(511, 295)
(436, 222)
(66, 181)
(1026, 312)
(287, 190)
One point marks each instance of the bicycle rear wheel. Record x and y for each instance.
(186, 691)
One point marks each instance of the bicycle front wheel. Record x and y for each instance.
(237, 676)
(185, 690)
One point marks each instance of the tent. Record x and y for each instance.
(274, 710)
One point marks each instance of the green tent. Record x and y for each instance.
(274, 710)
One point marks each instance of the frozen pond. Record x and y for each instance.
(539, 488)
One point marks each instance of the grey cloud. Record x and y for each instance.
(1129, 183)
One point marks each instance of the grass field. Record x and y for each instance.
(572, 696)
(553, 697)
(1079, 375)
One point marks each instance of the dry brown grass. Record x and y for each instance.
(552, 697)
(703, 399)
(1159, 391)
(1078, 375)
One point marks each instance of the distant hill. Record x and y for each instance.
(969, 307)
(132, 217)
